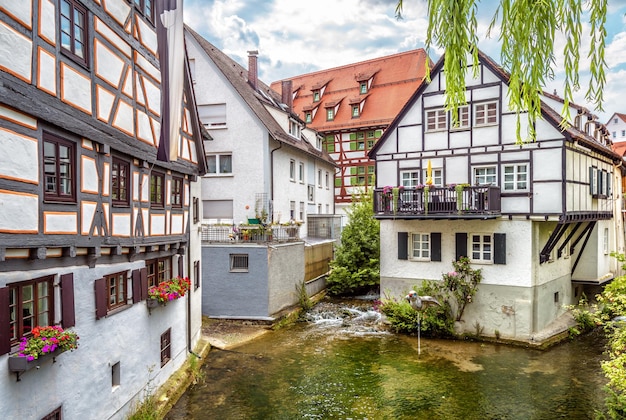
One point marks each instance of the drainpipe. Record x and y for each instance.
(272, 175)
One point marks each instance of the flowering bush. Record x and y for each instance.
(46, 340)
(170, 289)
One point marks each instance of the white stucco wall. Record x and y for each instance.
(81, 380)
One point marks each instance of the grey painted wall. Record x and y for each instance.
(267, 287)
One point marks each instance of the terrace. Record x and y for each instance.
(454, 202)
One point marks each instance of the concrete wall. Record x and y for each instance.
(286, 271)
(268, 287)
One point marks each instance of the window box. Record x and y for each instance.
(19, 365)
(154, 303)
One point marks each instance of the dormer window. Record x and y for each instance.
(355, 111)
(294, 128)
(363, 88)
(316, 96)
(308, 117)
(330, 114)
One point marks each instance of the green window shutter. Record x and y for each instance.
(353, 180)
(337, 182)
(331, 147)
(379, 133)
(353, 145)
(352, 136)
(353, 170)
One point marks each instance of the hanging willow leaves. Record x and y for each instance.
(527, 30)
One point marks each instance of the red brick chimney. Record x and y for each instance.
(253, 72)
(287, 94)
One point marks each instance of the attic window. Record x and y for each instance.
(316, 96)
(330, 114)
(363, 88)
(355, 111)
(308, 117)
(294, 128)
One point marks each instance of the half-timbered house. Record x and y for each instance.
(351, 106)
(101, 149)
(540, 219)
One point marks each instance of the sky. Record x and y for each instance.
(296, 37)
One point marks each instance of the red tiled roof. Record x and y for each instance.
(395, 78)
(620, 147)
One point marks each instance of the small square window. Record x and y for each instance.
(166, 343)
(238, 263)
(436, 120)
(486, 113)
(115, 375)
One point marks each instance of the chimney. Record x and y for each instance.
(253, 73)
(287, 94)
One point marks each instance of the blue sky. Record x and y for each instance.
(295, 37)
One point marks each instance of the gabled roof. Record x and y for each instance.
(257, 99)
(618, 115)
(549, 114)
(393, 79)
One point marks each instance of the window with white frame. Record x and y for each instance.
(220, 163)
(294, 128)
(409, 178)
(482, 247)
(463, 120)
(420, 246)
(239, 263)
(292, 170)
(516, 177)
(301, 213)
(485, 175)
(212, 115)
(301, 172)
(436, 120)
(292, 210)
(436, 175)
(486, 113)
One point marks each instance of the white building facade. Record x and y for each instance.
(617, 127)
(261, 158)
(540, 219)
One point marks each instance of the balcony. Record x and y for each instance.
(467, 202)
(250, 234)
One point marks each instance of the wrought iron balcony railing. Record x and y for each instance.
(460, 201)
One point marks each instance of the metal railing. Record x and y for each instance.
(437, 201)
(250, 233)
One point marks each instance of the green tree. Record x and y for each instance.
(356, 266)
(526, 31)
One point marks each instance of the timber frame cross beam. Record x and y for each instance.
(556, 235)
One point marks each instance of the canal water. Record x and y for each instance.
(340, 365)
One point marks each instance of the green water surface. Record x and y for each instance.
(308, 372)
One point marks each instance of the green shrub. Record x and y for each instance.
(356, 266)
(436, 321)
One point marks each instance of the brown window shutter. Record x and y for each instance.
(461, 245)
(435, 246)
(100, 287)
(68, 318)
(144, 283)
(5, 340)
(136, 286)
(181, 267)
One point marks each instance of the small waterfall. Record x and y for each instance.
(357, 316)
